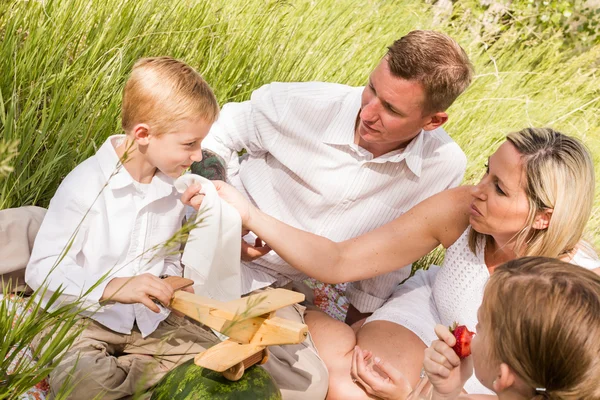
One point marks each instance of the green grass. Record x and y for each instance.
(64, 63)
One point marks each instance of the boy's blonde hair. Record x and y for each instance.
(542, 318)
(559, 175)
(162, 92)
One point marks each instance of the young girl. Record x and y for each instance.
(538, 336)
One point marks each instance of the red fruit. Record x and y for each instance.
(463, 336)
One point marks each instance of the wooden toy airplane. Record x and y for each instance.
(249, 322)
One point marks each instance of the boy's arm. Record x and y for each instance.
(250, 125)
(59, 242)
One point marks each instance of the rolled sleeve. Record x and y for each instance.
(370, 294)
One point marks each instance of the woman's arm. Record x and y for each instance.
(439, 219)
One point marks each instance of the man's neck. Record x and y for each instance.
(134, 162)
(378, 149)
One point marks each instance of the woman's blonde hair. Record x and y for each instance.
(559, 175)
(162, 92)
(542, 318)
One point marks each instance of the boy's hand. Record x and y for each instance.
(138, 289)
(446, 372)
(193, 196)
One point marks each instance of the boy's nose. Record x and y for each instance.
(197, 156)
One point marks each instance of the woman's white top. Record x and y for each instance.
(449, 294)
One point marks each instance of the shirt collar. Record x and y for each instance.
(341, 129)
(412, 154)
(117, 176)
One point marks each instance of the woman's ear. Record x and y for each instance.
(542, 219)
(504, 380)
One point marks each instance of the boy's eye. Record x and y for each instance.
(487, 168)
(190, 144)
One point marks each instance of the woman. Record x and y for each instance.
(534, 199)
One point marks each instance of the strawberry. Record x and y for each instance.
(463, 336)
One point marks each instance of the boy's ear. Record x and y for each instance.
(141, 134)
(436, 120)
(504, 380)
(542, 219)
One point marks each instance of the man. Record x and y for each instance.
(340, 161)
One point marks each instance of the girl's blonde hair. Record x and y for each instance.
(162, 92)
(543, 320)
(559, 177)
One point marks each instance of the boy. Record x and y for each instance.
(121, 205)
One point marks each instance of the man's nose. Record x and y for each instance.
(369, 110)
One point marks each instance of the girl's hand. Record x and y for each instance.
(377, 377)
(446, 372)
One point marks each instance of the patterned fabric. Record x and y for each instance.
(331, 299)
(41, 390)
(212, 166)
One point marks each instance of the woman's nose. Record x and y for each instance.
(479, 191)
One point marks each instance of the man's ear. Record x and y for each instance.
(504, 380)
(542, 219)
(141, 134)
(436, 120)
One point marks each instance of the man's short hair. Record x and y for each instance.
(162, 92)
(434, 60)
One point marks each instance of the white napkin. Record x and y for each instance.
(212, 254)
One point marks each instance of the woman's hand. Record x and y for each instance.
(446, 372)
(237, 200)
(377, 377)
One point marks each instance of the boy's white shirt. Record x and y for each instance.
(114, 233)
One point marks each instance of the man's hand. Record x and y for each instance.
(377, 377)
(446, 372)
(251, 253)
(138, 289)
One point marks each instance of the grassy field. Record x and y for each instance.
(64, 62)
